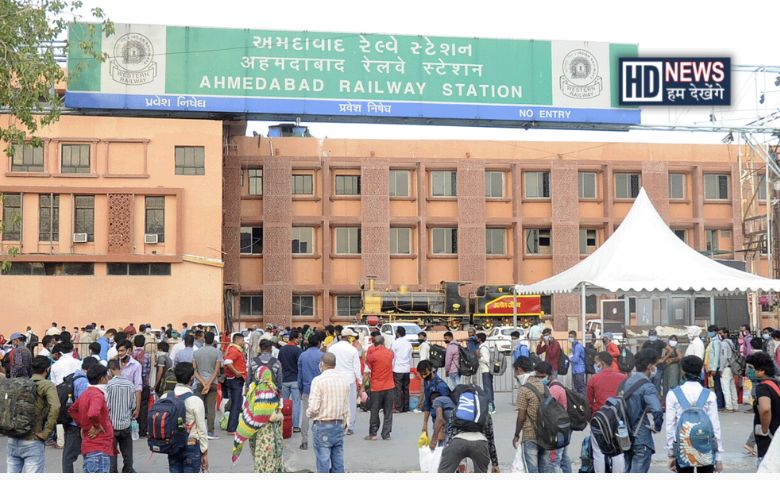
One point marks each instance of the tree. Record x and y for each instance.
(29, 69)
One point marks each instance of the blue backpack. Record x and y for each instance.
(521, 350)
(694, 444)
(471, 408)
(167, 424)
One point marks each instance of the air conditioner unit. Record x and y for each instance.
(79, 238)
(150, 238)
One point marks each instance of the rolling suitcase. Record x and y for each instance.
(287, 426)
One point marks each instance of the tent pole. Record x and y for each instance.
(582, 313)
(712, 309)
(754, 310)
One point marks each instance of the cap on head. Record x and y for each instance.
(652, 332)
(348, 332)
(17, 336)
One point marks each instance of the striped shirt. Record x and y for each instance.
(329, 397)
(120, 397)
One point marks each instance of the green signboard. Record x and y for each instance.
(393, 78)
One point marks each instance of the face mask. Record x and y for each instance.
(546, 338)
(571, 339)
(672, 343)
(750, 372)
(653, 338)
(765, 336)
(711, 334)
(596, 368)
(545, 381)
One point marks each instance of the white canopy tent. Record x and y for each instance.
(644, 255)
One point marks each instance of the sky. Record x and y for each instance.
(740, 30)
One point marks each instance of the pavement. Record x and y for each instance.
(400, 453)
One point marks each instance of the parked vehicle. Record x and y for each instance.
(207, 327)
(363, 332)
(500, 337)
(600, 327)
(412, 329)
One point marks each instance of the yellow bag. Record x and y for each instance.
(423, 441)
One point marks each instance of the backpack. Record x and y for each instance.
(521, 350)
(437, 355)
(468, 364)
(626, 360)
(605, 422)
(590, 360)
(563, 364)
(167, 384)
(577, 408)
(17, 406)
(736, 362)
(694, 441)
(274, 365)
(497, 362)
(586, 457)
(65, 390)
(168, 433)
(553, 426)
(471, 408)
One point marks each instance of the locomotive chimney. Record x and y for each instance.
(371, 282)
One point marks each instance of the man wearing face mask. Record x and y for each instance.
(577, 359)
(550, 345)
(601, 386)
(657, 346)
(712, 364)
(644, 413)
(766, 407)
(432, 383)
(131, 370)
(451, 360)
(745, 349)
(727, 352)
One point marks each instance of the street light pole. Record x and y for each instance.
(514, 306)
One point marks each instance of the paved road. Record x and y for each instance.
(399, 454)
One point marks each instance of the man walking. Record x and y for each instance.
(537, 460)
(120, 396)
(144, 359)
(72, 433)
(760, 369)
(577, 363)
(727, 352)
(483, 352)
(26, 454)
(329, 410)
(713, 364)
(308, 370)
(451, 360)
(289, 355)
(91, 414)
(601, 386)
(642, 406)
(380, 361)
(194, 457)
(235, 376)
(402, 366)
(348, 365)
(207, 362)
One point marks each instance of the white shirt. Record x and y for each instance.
(425, 350)
(64, 367)
(484, 358)
(535, 333)
(112, 353)
(177, 348)
(674, 410)
(44, 352)
(402, 355)
(53, 331)
(194, 416)
(696, 347)
(347, 360)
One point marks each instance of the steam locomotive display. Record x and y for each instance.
(489, 305)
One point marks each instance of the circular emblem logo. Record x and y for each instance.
(134, 51)
(580, 67)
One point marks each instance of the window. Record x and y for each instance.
(547, 304)
(711, 237)
(494, 241)
(145, 269)
(627, 185)
(716, 186)
(75, 159)
(303, 305)
(302, 184)
(348, 305)
(12, 216)
(399, 183)
(588, 188)
(538, 241)
(444, 183)
(190, 160)
(591, 304)
(251, 240)
(682, 234)
(347, 240)
(251, 305)
(536, 184)
(445, 241)
(85, 216)
(761, 186)
(400, 241)
(494, 184)
(302, 240)
(347, 184)
(588, 240)
(677, 186)
(27, 158)
(50, 268)
(155, 217)
(255, 181)
(48, 217)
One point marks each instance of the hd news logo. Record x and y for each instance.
(702, 81)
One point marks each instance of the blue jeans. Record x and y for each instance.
(453, 378)
(235, 394)
(565, 461)
(25, 456)
(487, 386)
(97, 462)
(290, 390)
(186, 461)
(329, 447)
(538, 460)
(638, 459)
(579, 382)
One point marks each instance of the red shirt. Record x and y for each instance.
(553, 349)
(601, 386)
(91, 410)
(614, 352)
(380, 361)
(239, 362)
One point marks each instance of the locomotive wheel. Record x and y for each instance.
(487, 324)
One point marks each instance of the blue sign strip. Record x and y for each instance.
(351, 108)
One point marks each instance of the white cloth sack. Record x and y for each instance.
(429, 459)
(518, 464)
(771, 461)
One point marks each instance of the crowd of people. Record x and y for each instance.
(93, 397)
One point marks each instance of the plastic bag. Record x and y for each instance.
(771, 461)
(518, 464)
(429, 459)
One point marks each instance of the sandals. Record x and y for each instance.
(750, 450)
